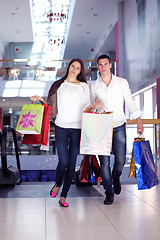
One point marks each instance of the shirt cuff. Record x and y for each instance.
(136, 115)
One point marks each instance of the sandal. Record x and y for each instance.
(53, 194)
(63, 204)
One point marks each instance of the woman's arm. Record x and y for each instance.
(36, 97)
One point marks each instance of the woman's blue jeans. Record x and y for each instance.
(67, 143)
(119, 151)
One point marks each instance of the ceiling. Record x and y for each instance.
(15, 21)
(91, 30)
(92, 22)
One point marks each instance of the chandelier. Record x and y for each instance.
(50, 19)
(56, 16)
(56, 40)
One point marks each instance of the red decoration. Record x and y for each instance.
(60, 16)
(92, 49)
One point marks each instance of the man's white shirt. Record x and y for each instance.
(113, 98)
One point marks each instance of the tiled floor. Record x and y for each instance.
(134, 215)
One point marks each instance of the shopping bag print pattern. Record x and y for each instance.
(27, 119)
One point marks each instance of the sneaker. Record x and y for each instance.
(117, 186)
(109, 199)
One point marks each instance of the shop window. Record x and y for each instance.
(158, 10)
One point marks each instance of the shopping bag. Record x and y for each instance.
(41, 138)
(84, 171)
(96, 168)
(132, 170)
(96, 134)
(30, 119)
(145, 166)
(92, 178)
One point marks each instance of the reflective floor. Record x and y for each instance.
(134, 215)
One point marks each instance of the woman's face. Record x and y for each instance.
(74, 69)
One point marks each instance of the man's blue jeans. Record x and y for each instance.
(67, 143)
(119, 151)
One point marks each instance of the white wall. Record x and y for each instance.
(142, 58)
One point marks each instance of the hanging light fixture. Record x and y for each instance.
(50, 23)
(10, 109)
(14, 72)
(58, 40)
(56, 16)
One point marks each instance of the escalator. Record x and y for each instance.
(9, 175)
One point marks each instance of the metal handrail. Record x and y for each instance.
(5, 130)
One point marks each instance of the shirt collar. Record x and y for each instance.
(102, 83)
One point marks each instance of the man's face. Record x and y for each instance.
(104, 66)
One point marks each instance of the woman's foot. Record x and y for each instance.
(54, 191)
(63, 203)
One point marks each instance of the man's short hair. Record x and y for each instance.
(103, 57)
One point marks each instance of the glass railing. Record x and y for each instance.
(26, 69)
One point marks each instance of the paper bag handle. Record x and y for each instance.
(31, 102)
(102, 110)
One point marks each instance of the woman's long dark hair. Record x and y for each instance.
(82, 75)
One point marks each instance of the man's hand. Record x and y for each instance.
(94, 105)
(140, 127)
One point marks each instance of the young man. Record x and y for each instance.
(113, 92)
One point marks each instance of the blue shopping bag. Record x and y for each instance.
(145, 166)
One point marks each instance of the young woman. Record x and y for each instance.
(68, 98)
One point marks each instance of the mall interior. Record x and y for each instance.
(38, 38)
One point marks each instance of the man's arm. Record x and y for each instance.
(94, 105)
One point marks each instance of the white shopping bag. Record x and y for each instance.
(96, 135)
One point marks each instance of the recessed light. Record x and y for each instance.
(4, 100)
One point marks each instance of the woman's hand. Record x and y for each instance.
(37, 98)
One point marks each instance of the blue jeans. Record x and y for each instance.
(67, 143)
(119, 151)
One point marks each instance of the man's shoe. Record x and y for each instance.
(109, 199)
(117, 186)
